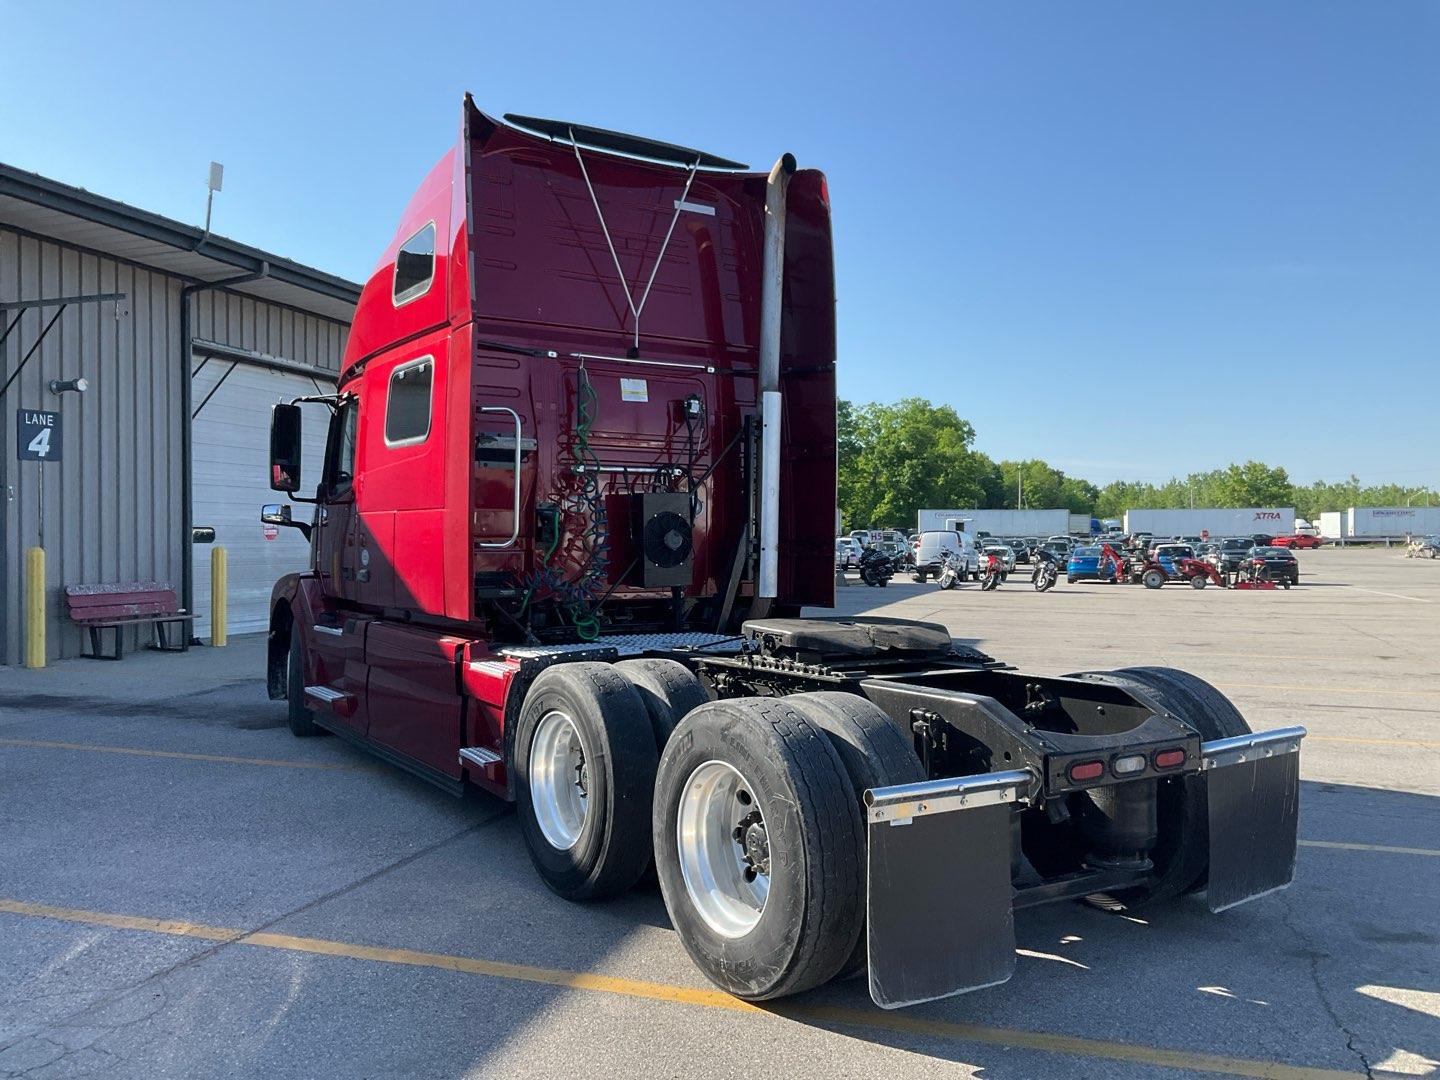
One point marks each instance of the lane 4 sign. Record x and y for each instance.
(37, 435)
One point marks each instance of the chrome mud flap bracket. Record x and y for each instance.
(939, 896)
(1253, 790)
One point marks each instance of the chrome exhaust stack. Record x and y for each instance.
(772, 298)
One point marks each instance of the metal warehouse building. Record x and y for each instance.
(185, 340)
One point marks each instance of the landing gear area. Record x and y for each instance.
(837, 794)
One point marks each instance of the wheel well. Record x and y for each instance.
(282, 622)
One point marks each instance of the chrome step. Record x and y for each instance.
(324, 693)
(482, 756)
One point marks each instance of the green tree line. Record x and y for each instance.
(913, 455)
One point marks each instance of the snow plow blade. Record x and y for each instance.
(939, 924)
(1253, 788)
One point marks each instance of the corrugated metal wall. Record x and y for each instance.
(112, 505)
(264, 328)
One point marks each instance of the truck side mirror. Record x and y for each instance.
(279, 514)
(285, 448)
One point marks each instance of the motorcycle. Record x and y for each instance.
(876, 568)
(994, 573)
(1045, 573)
(951, 570)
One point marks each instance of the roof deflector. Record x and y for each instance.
(617, 142)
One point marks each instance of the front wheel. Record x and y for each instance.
(1198, 581)
(300, 719)
(946, 580)
(1153, 579)
(759, 847)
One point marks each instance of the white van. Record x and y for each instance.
(931, 544)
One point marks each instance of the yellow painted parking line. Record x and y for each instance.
(1414, 743)
(226, 759)
(1387, 849)
(174, 927)
(855, 1018)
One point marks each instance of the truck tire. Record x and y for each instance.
(301, 720)
(874, 751)
(1181, 854)
(1198, 581)
(754, 801)
(1153, 579)
(669, 690)
(584, 762)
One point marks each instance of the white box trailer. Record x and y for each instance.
(1392, 522)
(1041, 523)
(1335, 524)
(1217, 521)
(1083, 525)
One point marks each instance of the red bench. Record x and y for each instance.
(129, 603)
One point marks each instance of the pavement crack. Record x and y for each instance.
(1312, 958)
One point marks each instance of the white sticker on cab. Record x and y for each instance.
(634, 390)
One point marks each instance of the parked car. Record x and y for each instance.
(931, 544)
(1231, 552)
(847, 552)
(1273, 563)
(1059, 548)
(1085, 565)
(1299, 540)
(1018, 546)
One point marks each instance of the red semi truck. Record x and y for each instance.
(579, 483)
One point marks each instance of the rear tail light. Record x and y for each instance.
(1128, 765)
(1086, 770)
(1168, 759)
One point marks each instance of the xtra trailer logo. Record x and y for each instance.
(1267, 515)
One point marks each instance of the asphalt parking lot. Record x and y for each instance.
(188, 891)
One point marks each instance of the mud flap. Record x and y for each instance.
(1253, 789)
(940, 916)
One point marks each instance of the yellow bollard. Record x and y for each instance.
(219, 573)
(35, 607)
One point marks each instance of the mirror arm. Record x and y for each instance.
(303, 526)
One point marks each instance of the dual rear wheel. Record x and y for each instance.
(749, 807)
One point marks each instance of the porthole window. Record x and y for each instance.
(407, 404)
(415, 266)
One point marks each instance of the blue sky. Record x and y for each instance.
(1134, 239)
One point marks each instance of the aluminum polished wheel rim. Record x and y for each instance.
(724, 851)
(559, 784)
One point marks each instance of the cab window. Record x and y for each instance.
(407, 403)
(341, 464)
(415, 266)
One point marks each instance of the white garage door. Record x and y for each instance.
(232, 481)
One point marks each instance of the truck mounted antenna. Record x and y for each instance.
(635, 309)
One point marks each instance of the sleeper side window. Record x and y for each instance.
(407, 404)
(415, 266)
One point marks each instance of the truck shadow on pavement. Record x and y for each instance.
(1337, 972)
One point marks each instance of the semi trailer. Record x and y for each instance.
(1041, 523)
(578, 486)
(1217, 521)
